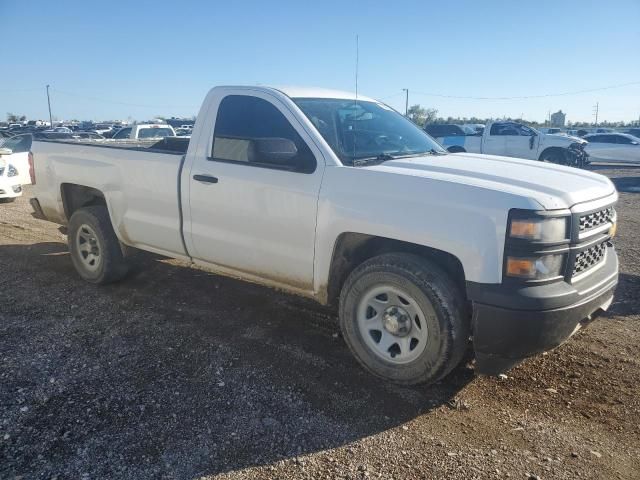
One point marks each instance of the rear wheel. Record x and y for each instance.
(404, 319)
(95, 250)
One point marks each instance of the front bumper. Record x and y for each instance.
(504, 335)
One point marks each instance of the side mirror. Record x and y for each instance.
(272, 150)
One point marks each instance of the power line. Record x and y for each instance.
(14, 90)
(114, 102)
(524, 97)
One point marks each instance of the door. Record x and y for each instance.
(602, 148)
(522, 142)
(628, 149)
(494, 140)
(253, 192)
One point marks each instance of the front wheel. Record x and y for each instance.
(95, 250)
(404, 319)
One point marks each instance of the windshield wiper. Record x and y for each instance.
(364, 161)
(433, 151)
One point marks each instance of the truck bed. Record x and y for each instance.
(170, 145)
(139, 179)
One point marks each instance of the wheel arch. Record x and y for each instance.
(560, 150)
(351, 249)
(76, 196)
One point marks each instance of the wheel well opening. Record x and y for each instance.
(548, 150)
(352, 249)
(79, 196)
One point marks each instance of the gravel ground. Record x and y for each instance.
(178, 373)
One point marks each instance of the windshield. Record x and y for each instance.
(17, 144)
(155, 132)
(358, 130)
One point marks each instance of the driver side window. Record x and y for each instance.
(252, 131)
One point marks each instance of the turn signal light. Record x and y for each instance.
(521, 267)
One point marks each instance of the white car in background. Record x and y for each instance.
(14, 166)
(613, 147)
(144, 131)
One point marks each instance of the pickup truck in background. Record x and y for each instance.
(144, 131)
(512, 139)
(14, 166)
(341, 199)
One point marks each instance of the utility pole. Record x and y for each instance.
(595, 111)
(406, 102)
(49, 103)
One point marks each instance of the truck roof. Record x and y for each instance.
(311, 92)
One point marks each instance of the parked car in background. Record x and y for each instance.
(59, 130)
(549, 130)
(183, 132)
(351, 204)
(15, 154)
(103, 128)
(475, 127)
(511, 139)
(448, 130)
(144, 131)
(87, 135)
(613, 147)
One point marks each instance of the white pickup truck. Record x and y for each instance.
(513, 139)
(144, 131)
(341, 199)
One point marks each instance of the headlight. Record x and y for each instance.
(539, 229)
(536, 268)
(12, 171)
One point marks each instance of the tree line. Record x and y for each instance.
(425, 116)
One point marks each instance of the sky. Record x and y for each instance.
(142, 59)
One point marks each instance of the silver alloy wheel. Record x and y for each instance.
(88, 247)
(392, 324)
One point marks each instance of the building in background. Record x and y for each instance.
(557, 119)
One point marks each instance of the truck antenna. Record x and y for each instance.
(355, 118)
(357, 61)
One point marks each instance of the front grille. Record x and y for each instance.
(589, 258)
(595, 219)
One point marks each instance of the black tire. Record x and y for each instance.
(111, 266)
(8, 200)
(429, 285)
(554, 156)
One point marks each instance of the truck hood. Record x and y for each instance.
(552, 186)
(550, 139)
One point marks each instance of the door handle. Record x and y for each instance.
(205, 178)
